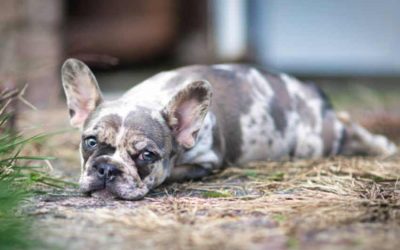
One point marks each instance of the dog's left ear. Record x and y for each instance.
(186, 111)
(81, 89)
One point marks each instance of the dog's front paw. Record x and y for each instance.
(384, 146)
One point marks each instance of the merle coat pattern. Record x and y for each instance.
(192, 121)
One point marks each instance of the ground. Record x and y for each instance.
(336, 203)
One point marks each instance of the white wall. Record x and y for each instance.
(327, 36)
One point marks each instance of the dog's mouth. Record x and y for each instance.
(105, 179)
(103, 194)
(115, 190)
(111, 184)
(121, 194)
(100, 190)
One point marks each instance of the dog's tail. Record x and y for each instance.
(359, 141)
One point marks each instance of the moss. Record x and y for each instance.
(251, 173)
(216, 194)
(277, 176)
(279, 218)
(293, 243)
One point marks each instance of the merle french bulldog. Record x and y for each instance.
(191, 122)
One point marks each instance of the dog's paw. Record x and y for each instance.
(384, 146)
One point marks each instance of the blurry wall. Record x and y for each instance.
(305, 37)
(103, 31)
(31, 47)
(139, 31)
(313, 37)
(229, 29)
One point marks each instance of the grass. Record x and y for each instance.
(20, 177)
(15, 182)
(216, 194)
(313, 198)
(14, 229)
(319, 204)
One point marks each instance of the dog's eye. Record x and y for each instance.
(148, 156)
(90, 142)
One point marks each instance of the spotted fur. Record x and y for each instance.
(199, 119)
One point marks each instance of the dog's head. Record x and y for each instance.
(127, 150)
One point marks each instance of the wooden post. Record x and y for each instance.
(31, 47)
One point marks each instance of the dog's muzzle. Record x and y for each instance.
(106, 178)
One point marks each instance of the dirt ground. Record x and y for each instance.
(329, 204)
(338, 203)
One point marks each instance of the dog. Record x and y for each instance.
(193, 121)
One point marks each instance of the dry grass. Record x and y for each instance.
(325, 204)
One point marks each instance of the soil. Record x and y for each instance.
(329, 204)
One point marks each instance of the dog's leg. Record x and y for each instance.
(358, 141)
(188, 172)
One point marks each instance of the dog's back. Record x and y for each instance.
(255, 115)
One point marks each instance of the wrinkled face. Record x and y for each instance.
(126, 148)
(126, 155)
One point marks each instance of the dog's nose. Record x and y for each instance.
(106, 171)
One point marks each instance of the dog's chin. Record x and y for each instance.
(104, 194)
(114, 190)
(112, 193)
(129, 193)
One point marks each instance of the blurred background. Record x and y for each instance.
(351, 48)
(346, 46)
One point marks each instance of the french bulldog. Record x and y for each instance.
(193, 121)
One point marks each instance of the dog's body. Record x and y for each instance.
(168, 128)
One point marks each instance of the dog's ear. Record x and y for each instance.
(81, 89)
(186, 111)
